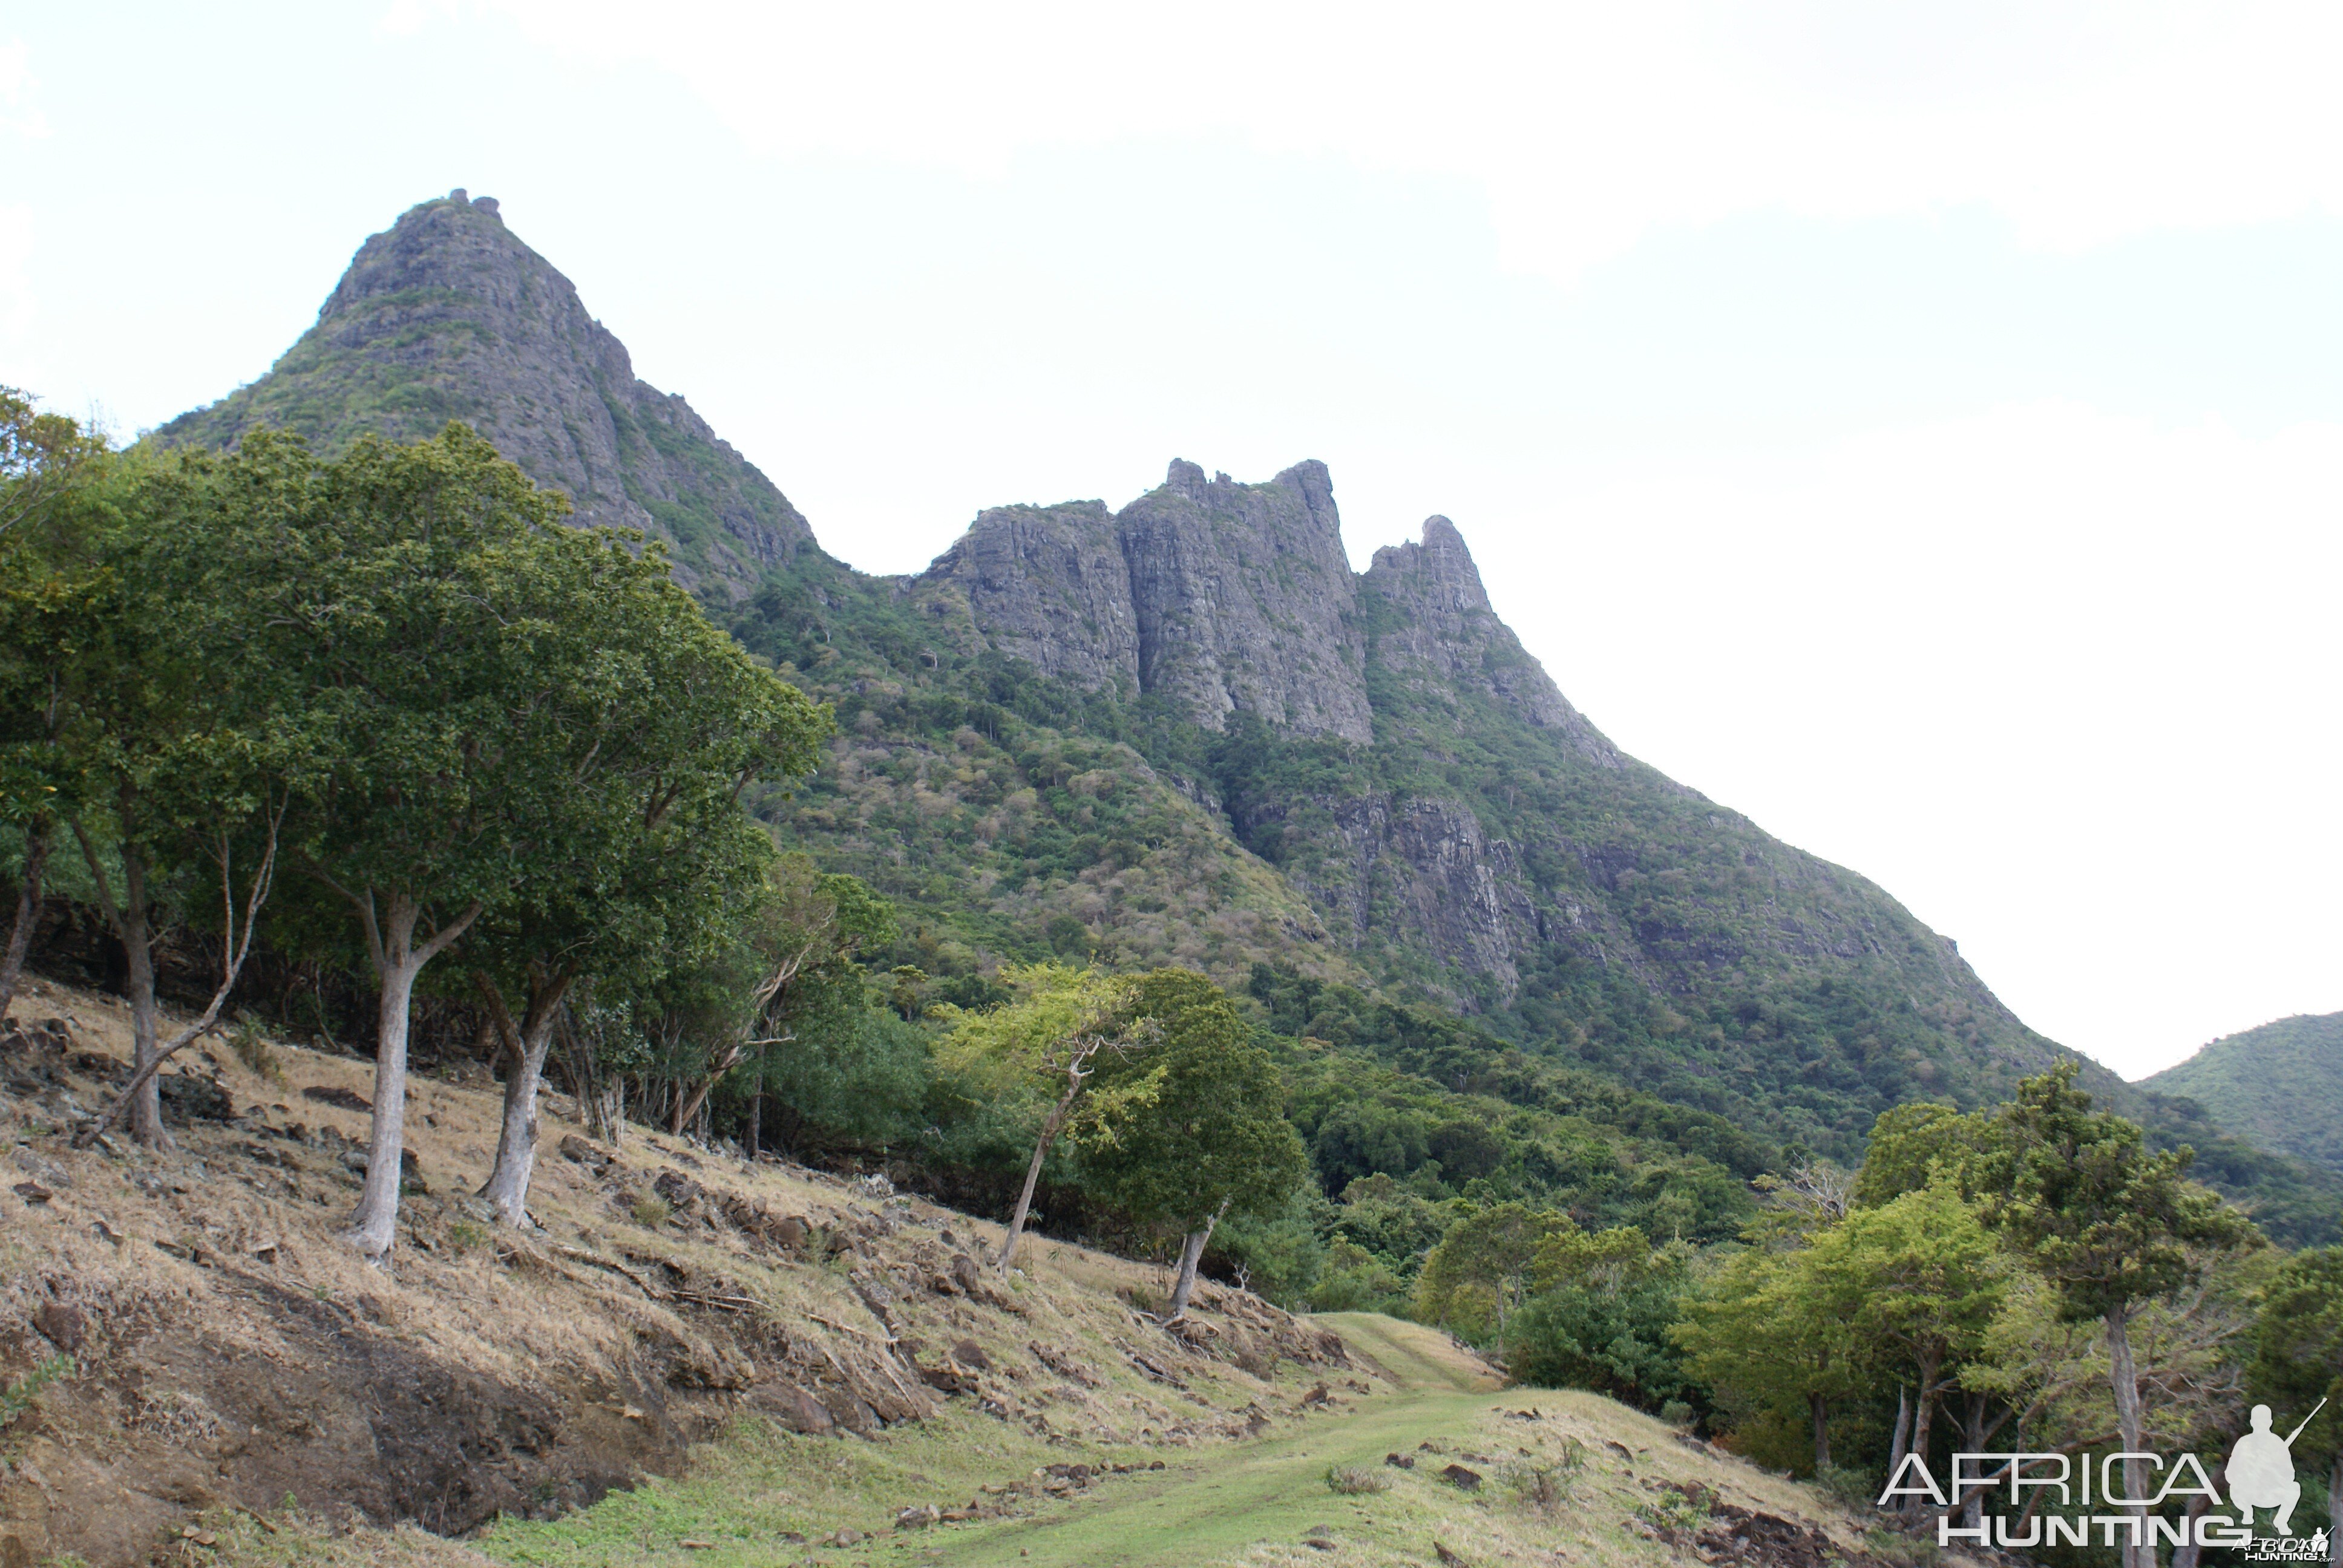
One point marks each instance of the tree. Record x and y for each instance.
(2298, 1361)
(177, 757)
(43, 458)
(395, 585)
(2109, 1224)
(1196, 1127)
(1480, 1269)
(651, 722)
(1762, 1334)
(1600, 1312)
(1918, 1281)
(1061, 1021)
(797, 929)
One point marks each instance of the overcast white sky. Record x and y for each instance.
(1917, 426)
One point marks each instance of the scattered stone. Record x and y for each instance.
(336, 1096)
(1461, 1479)
(1440, 1549)
(65, 1326)
(693, 1544)
(33, 1193)
(965, 1274)
(579, 1152)
(968, 1353)
(1402, 1460)
(918, 1517)
(186, 1098)
(1317, 1395)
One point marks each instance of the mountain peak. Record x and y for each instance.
(448, 315)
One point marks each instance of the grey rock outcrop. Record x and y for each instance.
(446, 315)
(1245, 602)
(1223, 598)
(1048, 585)
(1448, 636)
(1420, 870)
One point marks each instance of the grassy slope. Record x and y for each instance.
(2280, 1085)
(1244, 1450)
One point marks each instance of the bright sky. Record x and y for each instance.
(1917, 426)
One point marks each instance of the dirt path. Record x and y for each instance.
(1223, 1499)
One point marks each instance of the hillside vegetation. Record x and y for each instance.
(799, 1355)
(2281, 1085)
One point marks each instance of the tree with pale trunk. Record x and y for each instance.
(1039, 1053)
(1205, 1138)
(1479, 1272)
(401, 584)
(647, 724)
(2110, 1225)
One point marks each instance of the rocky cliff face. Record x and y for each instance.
(1245, 601)
(1048, 585)
(1222, 597)
(446, 315)
(1446, 635)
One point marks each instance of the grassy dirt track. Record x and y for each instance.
(1220, 1500)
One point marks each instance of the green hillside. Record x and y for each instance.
(1187, 732)
(2280, 1085)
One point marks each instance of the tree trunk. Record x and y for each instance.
(756, 1119)
(2335, 1512)
(1899, 1442)
(139, 952)
(2188, 1553)
(2125, 1379)
(374, 1228)
(1191, 1255)
(133, 923)
(1033, 1173)
(38, 835)
(508, 1184)
(1924, 1414)
(1821, 1410)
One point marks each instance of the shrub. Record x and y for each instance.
(650, 1210)
(1352, 1480)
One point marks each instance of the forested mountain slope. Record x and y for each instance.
(1186, 731)
(2280, 1085)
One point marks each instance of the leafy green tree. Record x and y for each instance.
(1480, 1271)
(1761, 1333)
(2111, 1225)
(1600, 1312)
(653, 722)
(2298, 1361)
(1911, 1143)
(176, 755)
(393, 584)
(1053, 1034)
(1919, 1281)
(1193, 1129)
(43, 458)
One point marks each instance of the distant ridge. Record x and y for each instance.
(446, 315)
(2280, 1085)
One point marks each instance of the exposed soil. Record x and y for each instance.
(228, 1352)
